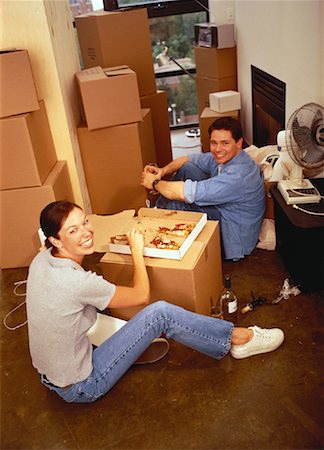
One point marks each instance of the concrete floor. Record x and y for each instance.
(186, 400)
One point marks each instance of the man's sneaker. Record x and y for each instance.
(263, 341)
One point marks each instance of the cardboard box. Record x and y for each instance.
(27, 149)
(20, 212)
(193, 283)
(158, 104)
(110, 96)
(211, 35)
(113, 160)
(113, 38)
(216, 63)
(204, 86)
(148, 222)
(225, 101)
(207, 117)
(18, 91)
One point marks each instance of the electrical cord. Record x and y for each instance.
(17, 284)
(312, 213)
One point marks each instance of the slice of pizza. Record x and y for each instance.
(181, 229)
(163, 243)
(120, 239)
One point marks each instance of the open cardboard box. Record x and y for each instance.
(194, 282)
(109, 96)
(148, 221)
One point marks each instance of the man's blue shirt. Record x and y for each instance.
(237, 193)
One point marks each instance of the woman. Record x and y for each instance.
(62, 303)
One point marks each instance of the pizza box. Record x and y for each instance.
(148, 221)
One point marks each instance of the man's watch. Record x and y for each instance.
(155, 182)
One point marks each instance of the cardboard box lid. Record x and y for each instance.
(117, 70)
(107, 226)
(210, 113)
(98, 73)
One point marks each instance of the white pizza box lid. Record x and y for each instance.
(147, 220)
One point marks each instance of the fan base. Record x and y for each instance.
(295, 192)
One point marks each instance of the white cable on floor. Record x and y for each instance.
(17, 284)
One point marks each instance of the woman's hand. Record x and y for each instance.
(136, 242)
(139, 293)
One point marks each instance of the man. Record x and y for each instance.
(225, 183)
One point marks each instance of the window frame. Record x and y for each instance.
(164, 8)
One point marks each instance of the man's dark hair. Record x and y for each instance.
(227, 123)
(53, 217)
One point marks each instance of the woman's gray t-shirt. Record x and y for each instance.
(62, 301)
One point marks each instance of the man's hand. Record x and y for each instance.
(153, 168)
(148, 178)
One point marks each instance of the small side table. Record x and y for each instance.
(300, 240)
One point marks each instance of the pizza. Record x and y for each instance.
(180, 229)
(161, 239)
(163, 243)
(119, 239)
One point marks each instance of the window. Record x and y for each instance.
(172, 30)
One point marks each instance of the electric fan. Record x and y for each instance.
(304, 138)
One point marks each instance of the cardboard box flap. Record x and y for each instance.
(117, 70)
(155, 213)
(110, 225)
(11, 49)
(94, 73)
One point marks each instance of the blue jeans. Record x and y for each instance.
(189, 172)
(118, 353)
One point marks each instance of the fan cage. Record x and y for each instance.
(305, 136)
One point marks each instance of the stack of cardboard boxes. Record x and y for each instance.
(117, 140)
(216, 69)
(31, 176)
(115, 150)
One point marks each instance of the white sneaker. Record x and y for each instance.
(263, 341)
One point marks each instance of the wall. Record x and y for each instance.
(45, 29)
(283, 38)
